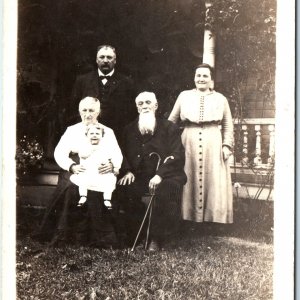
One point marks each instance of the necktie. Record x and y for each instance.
(104, 79)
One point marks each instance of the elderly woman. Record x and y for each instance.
(64, 220)
(207, 196)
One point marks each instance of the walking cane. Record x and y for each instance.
(149, 208)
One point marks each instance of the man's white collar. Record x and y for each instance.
(109, 74)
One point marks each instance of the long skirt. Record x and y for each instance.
(207, 195)
(64, 222)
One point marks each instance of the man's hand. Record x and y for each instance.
(226, 152)
(127, 179)
(76, 169)
(106, 168)
(153, 183)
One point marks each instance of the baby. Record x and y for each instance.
(92, 154)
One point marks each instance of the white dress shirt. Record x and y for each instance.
(104, 80)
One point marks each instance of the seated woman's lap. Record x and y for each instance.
(87, 225)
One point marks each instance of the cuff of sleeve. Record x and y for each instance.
(160, 174)
(116, 171)
(70, 168)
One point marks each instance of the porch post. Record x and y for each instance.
(209, 40)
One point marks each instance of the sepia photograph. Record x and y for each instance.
(148, 149)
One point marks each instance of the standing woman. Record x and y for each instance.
(207, 196)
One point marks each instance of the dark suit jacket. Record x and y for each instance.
(166, 141)
(117, 98)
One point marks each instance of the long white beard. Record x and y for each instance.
(147, 122)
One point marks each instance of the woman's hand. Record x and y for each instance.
(76, 169)
(153, 183)
(127, 179)
(226, 152)
(106, 168)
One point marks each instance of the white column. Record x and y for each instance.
(209, 42)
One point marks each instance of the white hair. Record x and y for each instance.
(90, 100)
(146, 96)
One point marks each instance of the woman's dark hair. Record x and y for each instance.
(211, 69)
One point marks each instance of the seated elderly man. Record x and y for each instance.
(64, 220)
(160, 172)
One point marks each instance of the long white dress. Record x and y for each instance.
(207, 196)
(94, 156)
(74, 140)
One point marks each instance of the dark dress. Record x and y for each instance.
(65, 222)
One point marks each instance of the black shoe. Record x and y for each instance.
(153, 246)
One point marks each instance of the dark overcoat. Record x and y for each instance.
(165, 141)
(167, 162)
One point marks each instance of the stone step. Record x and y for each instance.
(253, 191)
(35, 195)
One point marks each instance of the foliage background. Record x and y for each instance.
(158, 43)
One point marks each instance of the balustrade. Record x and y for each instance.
(254, 143)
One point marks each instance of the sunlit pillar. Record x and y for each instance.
(209, 40)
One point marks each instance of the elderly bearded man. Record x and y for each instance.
(142, 137)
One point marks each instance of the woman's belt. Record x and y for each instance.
(200, 124)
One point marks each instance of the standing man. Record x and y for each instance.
(153, 162)
(115, 91)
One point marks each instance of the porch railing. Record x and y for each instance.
(252, 163)
(255, 143)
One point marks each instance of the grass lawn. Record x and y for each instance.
(203, 261)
